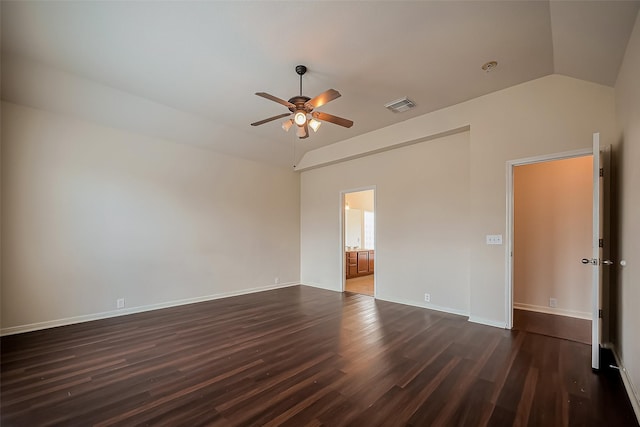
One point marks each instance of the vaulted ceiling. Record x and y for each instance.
(188, 71)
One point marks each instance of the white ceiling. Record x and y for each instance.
(188, 71)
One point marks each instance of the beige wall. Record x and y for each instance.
(421, 215)
(548, 115)
(627, 331)
(552, 233)
(91, 214)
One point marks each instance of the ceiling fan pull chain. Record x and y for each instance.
(293, 150)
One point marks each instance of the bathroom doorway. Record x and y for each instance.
(359, 242)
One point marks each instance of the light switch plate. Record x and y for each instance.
(494, 239)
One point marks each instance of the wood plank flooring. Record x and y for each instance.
(302, 356)
(568, 328)
(360, 285)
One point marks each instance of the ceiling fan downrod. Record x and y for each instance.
(301, 69)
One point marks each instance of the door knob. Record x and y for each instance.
(594, 261)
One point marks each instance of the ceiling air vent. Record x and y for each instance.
(400, 105)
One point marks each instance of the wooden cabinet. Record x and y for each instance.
(358, 263)
(352, 265)
(363, 263)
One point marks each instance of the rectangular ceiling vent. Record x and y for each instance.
(400, 105)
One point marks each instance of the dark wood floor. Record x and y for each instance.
(568, 328)
(302, 356)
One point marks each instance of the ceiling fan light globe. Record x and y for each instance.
(300, 118)
(286, 125)
(300, 132)
(314, 124)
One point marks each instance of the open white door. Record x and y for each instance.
(600, 244)
(596, 290)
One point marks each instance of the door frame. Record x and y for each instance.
(343, 273)
(510, 218)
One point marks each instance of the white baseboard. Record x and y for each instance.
(423, 305)
(114, 313)
(633, 394)
(548, 310)
(488, 322)
(320, 286)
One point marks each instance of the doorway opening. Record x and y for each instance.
(358, 241)
(552, 230)
(597, 261)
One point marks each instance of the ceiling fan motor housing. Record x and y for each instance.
(298, 102)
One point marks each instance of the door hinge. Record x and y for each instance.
(600, 313)
(601, 243)
(601, 171)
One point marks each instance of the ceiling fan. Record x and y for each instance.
(301, 107)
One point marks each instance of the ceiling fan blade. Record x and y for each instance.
(332, 119)
(276, 99)
(323, 98)
(270, 119)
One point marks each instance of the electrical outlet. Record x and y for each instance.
(494, 239)
(427, 297)
(276, 280)
(553, 303)
(120, 303)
